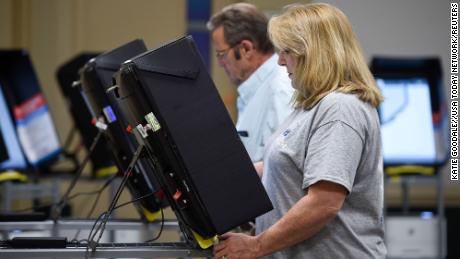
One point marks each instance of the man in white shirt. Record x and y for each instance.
(243, 49)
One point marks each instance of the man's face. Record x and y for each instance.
(226, 56)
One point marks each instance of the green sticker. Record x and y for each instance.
(152, 120)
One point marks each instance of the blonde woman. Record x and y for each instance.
(323, 168)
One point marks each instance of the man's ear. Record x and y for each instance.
(247, 48)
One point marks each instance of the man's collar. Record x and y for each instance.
(248, 88)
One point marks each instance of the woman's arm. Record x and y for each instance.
(306, 218)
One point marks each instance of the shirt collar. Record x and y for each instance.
(248, 88)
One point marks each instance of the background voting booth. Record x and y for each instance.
(67, 74)
(29, 110)
(173, 143)
(25, 121)
(414, 126)
(95, 79)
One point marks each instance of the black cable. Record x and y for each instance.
(114, 202)
(153, 158)
(90, 241)
(56, 211)
(131, 165)
(76, 195)
(99, 191)
(95, 202)
(134, 200)
(89, 214)
(161, 228)
(90, 237)
(105, 216)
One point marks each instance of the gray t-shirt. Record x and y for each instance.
(338, 140)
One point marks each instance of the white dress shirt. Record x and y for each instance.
(263, 103)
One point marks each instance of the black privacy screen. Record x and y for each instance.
(176, 111)
(96, 79)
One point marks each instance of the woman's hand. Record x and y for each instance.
(237, 245)
(259, 166)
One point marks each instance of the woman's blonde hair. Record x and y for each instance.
(328, 55)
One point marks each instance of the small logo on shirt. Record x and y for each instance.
(286, 132)
(243, 133)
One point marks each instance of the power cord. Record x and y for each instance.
(106, 215)
(57, 209)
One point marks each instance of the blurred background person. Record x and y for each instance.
(243, 49)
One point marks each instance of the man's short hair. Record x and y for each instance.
(243, 21)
